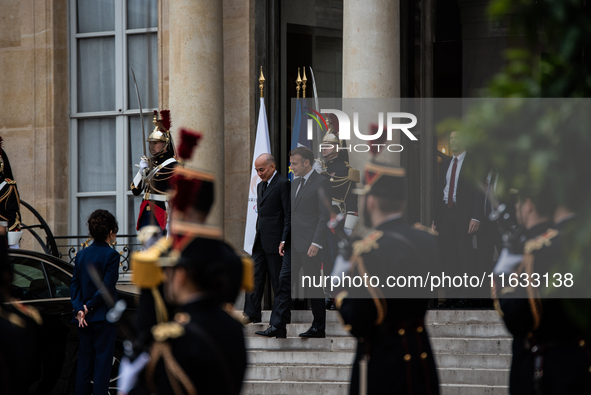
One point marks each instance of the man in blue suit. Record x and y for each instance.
(97, 336)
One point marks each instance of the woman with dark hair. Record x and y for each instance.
(96, 263)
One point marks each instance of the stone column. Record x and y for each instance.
(371, 48)
(196, 93)
(371, 64)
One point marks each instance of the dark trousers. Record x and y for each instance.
(281, 313)
(263, 263)
(455, 247)
(311, 267)
(95, 357)
(330, 252)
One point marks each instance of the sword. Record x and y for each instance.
(316, 102)
(141, 113)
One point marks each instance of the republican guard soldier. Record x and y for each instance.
(9, 201)
(552, 336)
(343, 178)
(201, 349)
(152, 179)
(394, 355)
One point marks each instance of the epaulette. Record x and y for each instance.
(354, 174)
(544, 240)
(146, 273)
(167, 330)
(368, 243)
(424, 228)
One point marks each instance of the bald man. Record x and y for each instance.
(272, 232)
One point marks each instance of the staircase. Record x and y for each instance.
(472, 352)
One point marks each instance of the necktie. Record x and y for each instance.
(452, 184)
(264, 188)
(302, 181)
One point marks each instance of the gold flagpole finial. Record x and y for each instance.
(304, 83)
(298, 82)
(262, 82)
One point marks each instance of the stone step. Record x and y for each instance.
(467, 331)
(304, 316)
(458, 345)
(475, 361)
(252, 387)
(259, 357)
(462, 317)
(458, 389)
(299, 344)
(299, 373)
(333, 329)
(498, 377)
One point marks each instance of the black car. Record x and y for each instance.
(43, 281)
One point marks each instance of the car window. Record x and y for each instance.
(29, 281)
(59, 281)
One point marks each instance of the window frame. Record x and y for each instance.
(122, 113)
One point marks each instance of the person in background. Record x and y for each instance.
(95, 266)
(459, 210)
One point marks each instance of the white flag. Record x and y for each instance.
(262, 145)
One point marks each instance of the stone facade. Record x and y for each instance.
(34, 103)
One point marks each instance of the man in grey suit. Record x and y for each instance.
(310, 203)
(272, 232)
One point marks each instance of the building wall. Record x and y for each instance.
(34, 105)
(240, 82)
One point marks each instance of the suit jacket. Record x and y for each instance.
(385, 343)
(83, 290)
(310, 212)
(274, 214)
(469, 197)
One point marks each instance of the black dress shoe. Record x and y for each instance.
(271, 331)
(313, 332)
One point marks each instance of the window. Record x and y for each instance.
(29, 281)
(59, 281)
(107, 39)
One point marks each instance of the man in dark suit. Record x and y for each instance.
(459, 209)
(394, 355)
(272, 231)
(310, 204)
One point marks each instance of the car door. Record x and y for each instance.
(45, 287)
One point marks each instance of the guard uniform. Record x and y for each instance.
(154, 182)
(393, 344)
(9, 200)
(551, 346)
(343, 180)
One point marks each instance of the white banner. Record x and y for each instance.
(262, 145)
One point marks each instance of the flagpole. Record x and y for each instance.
(262, 145)
(262, 82)
(304, 83)
(298, 82)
